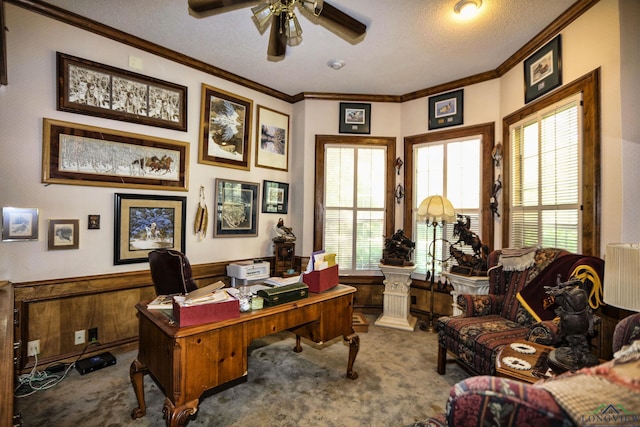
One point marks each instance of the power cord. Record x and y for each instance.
(35, 380)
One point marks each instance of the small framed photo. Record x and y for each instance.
(93, 222)
(236, 208)
(446, 109)
(355, 118)
(543, 70)
(275, 197)
(225, 129)
(272, 145)
(19, 224)
(146, 222)
(63, 234)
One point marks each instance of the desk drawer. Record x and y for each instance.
(281, 321)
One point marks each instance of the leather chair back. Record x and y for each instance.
(171, 272)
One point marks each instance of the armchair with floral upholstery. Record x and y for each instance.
(512, 311)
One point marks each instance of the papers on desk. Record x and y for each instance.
(161, 302)
(282, 281)
(207, 294)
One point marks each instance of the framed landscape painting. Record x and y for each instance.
(144, 223)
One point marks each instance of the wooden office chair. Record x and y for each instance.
(171, 272)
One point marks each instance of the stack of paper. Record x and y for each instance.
(320, 260)
(282, 281)
(205, 295)
(161, 302)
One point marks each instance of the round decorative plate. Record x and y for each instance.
(515, 363)
(522, 348)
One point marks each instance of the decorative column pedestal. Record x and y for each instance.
(396, 298)
(473, 285)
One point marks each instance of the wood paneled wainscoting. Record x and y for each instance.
(52, 310)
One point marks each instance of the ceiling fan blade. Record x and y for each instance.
(277, 37)
(207, 5)
(345, 22)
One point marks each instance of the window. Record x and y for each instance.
(456, 164)
(354, 199)
(545, 171)
(559, 222)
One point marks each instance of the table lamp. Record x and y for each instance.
(435, 210)
(622, 276)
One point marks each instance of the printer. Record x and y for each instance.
(247, 272)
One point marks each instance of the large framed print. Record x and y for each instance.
(236, 208)
(63, 234)
(87, 155)
(19, 224)
(446, 109)
(272, 145)
(275, 197)
(144, 223)
(225, 129)
(543, 70)
(95, 89)
(355, 118)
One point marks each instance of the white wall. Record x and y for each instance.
(592, 41)
(32, 42)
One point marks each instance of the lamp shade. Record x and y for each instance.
(622, 276)
(435, 209)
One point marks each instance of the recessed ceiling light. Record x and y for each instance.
(336, 64)
(467, 8)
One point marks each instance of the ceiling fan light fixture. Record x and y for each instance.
(467, 8)
(263, 13)
(313, 6)
(292, 27)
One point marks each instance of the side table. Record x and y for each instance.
(527, 375)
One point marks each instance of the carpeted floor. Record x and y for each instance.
(397, 385)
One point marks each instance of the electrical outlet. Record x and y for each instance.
(93, 335)
(33, 347)
(79, 337)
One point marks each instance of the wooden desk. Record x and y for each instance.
(526, 375)
(188, 361)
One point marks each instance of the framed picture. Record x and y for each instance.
(225, 129)
(236, 208)
(355, 118)
(272, 141)
(63, 234)
(93, 222)
(275, 197)
(19, 224)
(446, 109)
(94, 89)
(144, 223)
(543, 70)
(3, 49)
(87, 155)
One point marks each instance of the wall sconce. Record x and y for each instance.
(399, 193)
(399, 164)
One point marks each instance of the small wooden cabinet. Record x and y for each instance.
(284, 257)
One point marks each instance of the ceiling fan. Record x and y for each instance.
(285, 28)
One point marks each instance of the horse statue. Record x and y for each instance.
(462, 230)
(397, 250)
(576, 323)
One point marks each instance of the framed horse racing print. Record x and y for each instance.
(87, 155)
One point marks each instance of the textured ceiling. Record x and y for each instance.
(410, 44)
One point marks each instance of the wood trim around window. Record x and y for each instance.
(487, 134)
(589, 85)
(321, 142)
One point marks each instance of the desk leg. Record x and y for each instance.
(137, 372)
(178, 417)
(298, 347)
(354, 347)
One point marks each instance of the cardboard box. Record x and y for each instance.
(321, 280)
(189, 315)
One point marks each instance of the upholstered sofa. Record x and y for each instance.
(514, 309)
(607, 394)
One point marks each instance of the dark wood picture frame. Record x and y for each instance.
(543, 70)
(87, 155)
(19, 224)
(355, 118)
(224, 142)
(145, 222)
(275, 197)
(4, 79)
(272, 139)
(64, 234)
(446, 109)
(94, 89)
(236, 208)
(93, 222)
